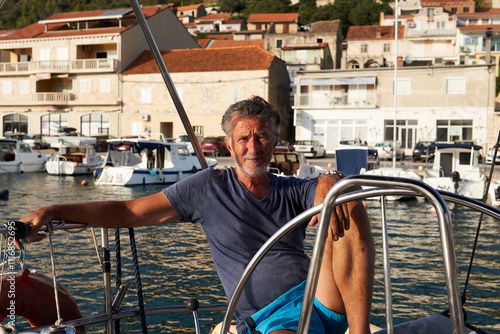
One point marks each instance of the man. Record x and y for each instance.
(239, 209)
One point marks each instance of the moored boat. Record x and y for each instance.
(73, 160)
(456, 169)
(293, 164)
(136, 161)
(18, 157)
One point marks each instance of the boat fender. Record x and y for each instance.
(75, 164)
(32, 294)
(194, 170)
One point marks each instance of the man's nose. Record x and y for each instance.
(254, 145)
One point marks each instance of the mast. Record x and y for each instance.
(394, 143)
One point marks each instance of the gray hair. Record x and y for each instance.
(254, 107)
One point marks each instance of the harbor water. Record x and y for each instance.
(176, 265)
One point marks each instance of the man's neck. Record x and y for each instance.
(258, 186)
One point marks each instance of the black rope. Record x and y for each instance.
(138, 281)
(485, 196)
(118, 271)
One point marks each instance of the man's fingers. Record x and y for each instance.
(347, 221)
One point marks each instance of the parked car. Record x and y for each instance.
(348, 143)
(284, 146)
(36, 141)
(424, 150)
(184, 138)
(101, 144)
(214, 145)
(386, 151)
(310, 148)
(489, 156)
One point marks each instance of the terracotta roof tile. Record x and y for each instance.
(213, 17)
(275, 17)
(230, 44)
(438, 2)
(202, 42)
(189, 7)
(308, 46)
(482, 12)
(204, 60)
(325, 26)
(370, 32)
(481, 27)
(37, 30)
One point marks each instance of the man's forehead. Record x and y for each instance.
(242, 122)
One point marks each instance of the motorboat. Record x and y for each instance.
(73, 160)
(456, 169)
(18, 157)
(136, 161)
(293, 164)
(399, 172)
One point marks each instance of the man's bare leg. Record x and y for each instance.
(346, 278)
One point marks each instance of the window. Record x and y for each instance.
(454, 129)
(24, 87)
(466, 9)
(85, 86)
(301, 56)
(104, 85)
(406, 132)
(145, 95)
(199, 130)
(15, 123)
(363, 48)
(7, 87)
(239, 93)
(387, 47)
(207, 95)
(95, 124)
(319, 40)
(279, 43)
(403, 86)
(440, 24)
(53, 124)
(453, 10)
(455, 85)
(430, 11)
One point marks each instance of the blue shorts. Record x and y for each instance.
(284, 313)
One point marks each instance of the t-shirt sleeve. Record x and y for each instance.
(188, 196)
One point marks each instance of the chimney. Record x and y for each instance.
(378, 32)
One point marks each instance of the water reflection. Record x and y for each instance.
(176, 264)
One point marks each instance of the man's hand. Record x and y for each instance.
(340, 220)
(37, 219)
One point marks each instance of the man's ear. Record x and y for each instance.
(228, 145)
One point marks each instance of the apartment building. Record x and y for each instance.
(373, 46)
(443, 103)
(64, 71)
(281, 23)
(207, 82)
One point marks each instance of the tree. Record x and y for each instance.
(268, 6)
(232, 6)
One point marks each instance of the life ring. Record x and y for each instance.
(30, 295)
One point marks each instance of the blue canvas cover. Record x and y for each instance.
(350, 161)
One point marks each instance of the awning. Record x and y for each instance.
(338, 81)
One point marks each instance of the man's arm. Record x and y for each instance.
(340, 221)
(151, 210)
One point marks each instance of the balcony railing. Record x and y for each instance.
(53, 98)
(430, 32)
(58, 66)
(340, 100)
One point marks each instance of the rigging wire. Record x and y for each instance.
(485, 196)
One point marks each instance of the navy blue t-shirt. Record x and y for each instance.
(237, 224)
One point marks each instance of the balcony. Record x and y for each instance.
(430, 32)
(336, 100)
(60, 66)
(53, 98)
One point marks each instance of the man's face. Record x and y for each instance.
(251, 144)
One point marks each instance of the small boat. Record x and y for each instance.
(73, 160)
(136, 161)
(18, 157)
(293, 164)
(456, 169)
(394, 172)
